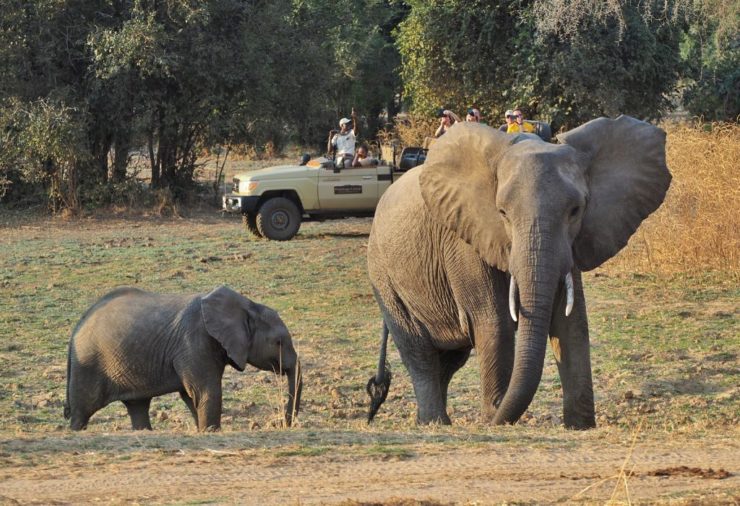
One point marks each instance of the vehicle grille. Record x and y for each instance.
(235, 185)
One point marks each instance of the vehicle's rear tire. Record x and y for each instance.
(278, 219)
(250, 222)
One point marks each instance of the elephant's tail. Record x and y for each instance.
(378, 385)
(67, 410)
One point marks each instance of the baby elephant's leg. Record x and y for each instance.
(78, 419)
(138, 410)
(207, 404)
(189, 403)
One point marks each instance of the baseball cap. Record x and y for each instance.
(509, 112)
(343, 121)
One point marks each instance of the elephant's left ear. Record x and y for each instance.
(628, 179)
(224, 315)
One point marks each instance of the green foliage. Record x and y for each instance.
(44, 142)
(711, 55)
(453, 51)
(614, 60)
(623, 63)
(177, 77)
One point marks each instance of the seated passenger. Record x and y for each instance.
(447, 118)
(520, 125)
(473, 114)
(510, 119)
(362, 159)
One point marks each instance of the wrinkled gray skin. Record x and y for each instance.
(486, 206)
(133, 345)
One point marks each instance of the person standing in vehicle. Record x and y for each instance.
(343, 142)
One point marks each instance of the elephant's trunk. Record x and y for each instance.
(295, 387)
(537, 282)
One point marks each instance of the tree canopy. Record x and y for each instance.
(83, 84)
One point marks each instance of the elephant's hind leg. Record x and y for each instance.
(451, 361)
(138, 410)
(86, 395)
(78, 419)
(425, 370)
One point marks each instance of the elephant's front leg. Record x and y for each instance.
(206, 399)
(138, 411)
(570, 343)
(494, 345)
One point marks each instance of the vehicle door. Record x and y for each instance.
(350, 188)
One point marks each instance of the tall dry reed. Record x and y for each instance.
(698, 226)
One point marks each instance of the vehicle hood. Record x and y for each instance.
(277, 172)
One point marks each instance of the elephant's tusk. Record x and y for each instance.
(568, 294)
(512, 298)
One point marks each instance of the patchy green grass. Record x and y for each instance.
(665, 350)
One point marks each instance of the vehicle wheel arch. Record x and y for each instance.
(288, 194)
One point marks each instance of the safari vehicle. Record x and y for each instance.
(274, 201)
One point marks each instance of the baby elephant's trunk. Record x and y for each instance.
(378, 385)
(295, 387)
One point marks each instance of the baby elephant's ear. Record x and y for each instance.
(225, 316)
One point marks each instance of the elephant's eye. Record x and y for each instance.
(574, 212)
(502, 213)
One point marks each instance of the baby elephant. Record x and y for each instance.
(133, 345)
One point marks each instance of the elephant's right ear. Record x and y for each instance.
(458, 184)
(224, 315)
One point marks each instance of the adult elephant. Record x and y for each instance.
(495, 229)
(133, 345)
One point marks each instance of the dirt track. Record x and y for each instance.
(480, 475)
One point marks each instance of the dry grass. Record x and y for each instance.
(698, 226)
(415, 130)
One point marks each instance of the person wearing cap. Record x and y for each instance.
(343, 142)
(447, 118)
(510, 118)
(473, 114)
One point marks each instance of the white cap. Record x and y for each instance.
(343, 121)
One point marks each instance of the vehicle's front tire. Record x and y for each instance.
(278, 219)
(250, 222)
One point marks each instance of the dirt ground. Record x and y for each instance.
(706, 472)
(686, 453)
